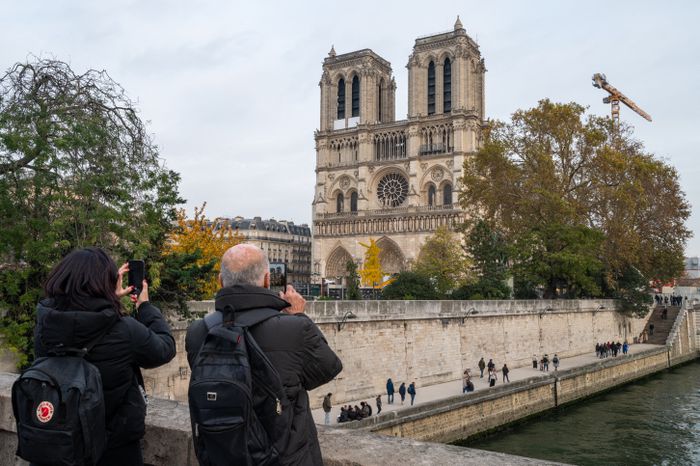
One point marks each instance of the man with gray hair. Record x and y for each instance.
(292, 342)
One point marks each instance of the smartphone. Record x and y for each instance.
(278, 276)
(137, 273)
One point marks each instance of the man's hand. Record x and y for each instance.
(298, 303)
(120, 291)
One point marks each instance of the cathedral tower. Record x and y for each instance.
(394, 181)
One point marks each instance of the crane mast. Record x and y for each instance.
(615, 98)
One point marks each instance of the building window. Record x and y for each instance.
(353, 202)
(341, 99)
(339, 201)
(431, 88)
(355, 96)
(447, 86)
(431, 195)
(447, 194)
(379, 101)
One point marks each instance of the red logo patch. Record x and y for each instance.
(44, 412)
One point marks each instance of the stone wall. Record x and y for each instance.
(434, 341)
(168, 442)
(463, 416)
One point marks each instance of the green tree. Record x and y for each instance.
(353, 288)
(489, 253)
(411, 285)
(442, 259)
(77, 168)
(553, 169)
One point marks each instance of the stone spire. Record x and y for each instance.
(332, 52)
(458, 24)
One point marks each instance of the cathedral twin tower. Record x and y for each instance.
(394, 181)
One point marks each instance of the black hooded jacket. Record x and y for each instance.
(299, 352)
(129, 343)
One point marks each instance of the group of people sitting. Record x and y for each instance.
(603, 350)
(355, 413)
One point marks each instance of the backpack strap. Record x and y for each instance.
(242, 319)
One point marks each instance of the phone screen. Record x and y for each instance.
(137, 273)
(278, 276)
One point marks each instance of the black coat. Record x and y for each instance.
(299, 352)
(130, 343)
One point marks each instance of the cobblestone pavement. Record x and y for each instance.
(447, 389)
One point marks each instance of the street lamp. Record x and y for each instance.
(470, 312)
(346, 316)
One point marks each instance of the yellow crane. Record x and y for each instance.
(615, 98)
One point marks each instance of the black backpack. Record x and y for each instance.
(59, 408)
(238, 407)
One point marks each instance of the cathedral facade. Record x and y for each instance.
(393, 181)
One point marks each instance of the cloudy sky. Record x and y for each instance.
(230, 88)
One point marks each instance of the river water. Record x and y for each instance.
(655, 421)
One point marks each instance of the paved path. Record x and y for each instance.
(447, 389)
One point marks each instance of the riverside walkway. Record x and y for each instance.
(454, 387)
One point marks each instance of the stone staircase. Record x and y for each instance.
(662, 327)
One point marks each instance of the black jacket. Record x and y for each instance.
(130, 343)
(299, 352)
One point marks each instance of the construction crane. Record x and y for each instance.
(615, 98)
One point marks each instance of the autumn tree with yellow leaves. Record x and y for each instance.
(371, 273)
(192, 258)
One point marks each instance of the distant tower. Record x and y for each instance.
(395, 181)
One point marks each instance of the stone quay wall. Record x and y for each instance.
(168, 442)
(432, 341)
(464, 416)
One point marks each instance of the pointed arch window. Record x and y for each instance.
(431, 88)
(353, 201)
(431, 195)
(341, 99)
(339, 203)
(447, 86)
(447, 194)
(355, 96)
(379, 100)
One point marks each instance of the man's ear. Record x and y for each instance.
(266, 280)
(221, 282)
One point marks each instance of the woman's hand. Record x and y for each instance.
(143, 296)
(120, 291)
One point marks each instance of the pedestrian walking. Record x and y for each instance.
(651, 329)
(545, 362)
(402, 391)
(412, 391)
(390, 391)
(492, 378)
(505, 372)
(378, 402)
(534, 361)
(625, 348)
(482, 366)
(327, 408)
(555, 361)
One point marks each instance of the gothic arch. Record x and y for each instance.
(336, 264)
(438, 174)
(390, 256)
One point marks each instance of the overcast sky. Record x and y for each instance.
(231, 90)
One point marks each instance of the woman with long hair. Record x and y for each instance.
(82, 304)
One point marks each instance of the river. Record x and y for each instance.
(655, 421)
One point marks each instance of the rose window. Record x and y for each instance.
(392, 190)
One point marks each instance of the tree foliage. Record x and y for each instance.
(371, 272)
(442, 259)
(489, 253)
(203, 243)
(77, 168)
(552, 170)
(411, 285)
(353, 288)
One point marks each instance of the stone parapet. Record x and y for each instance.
(168, 442)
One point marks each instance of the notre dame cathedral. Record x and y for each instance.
(393, 181)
